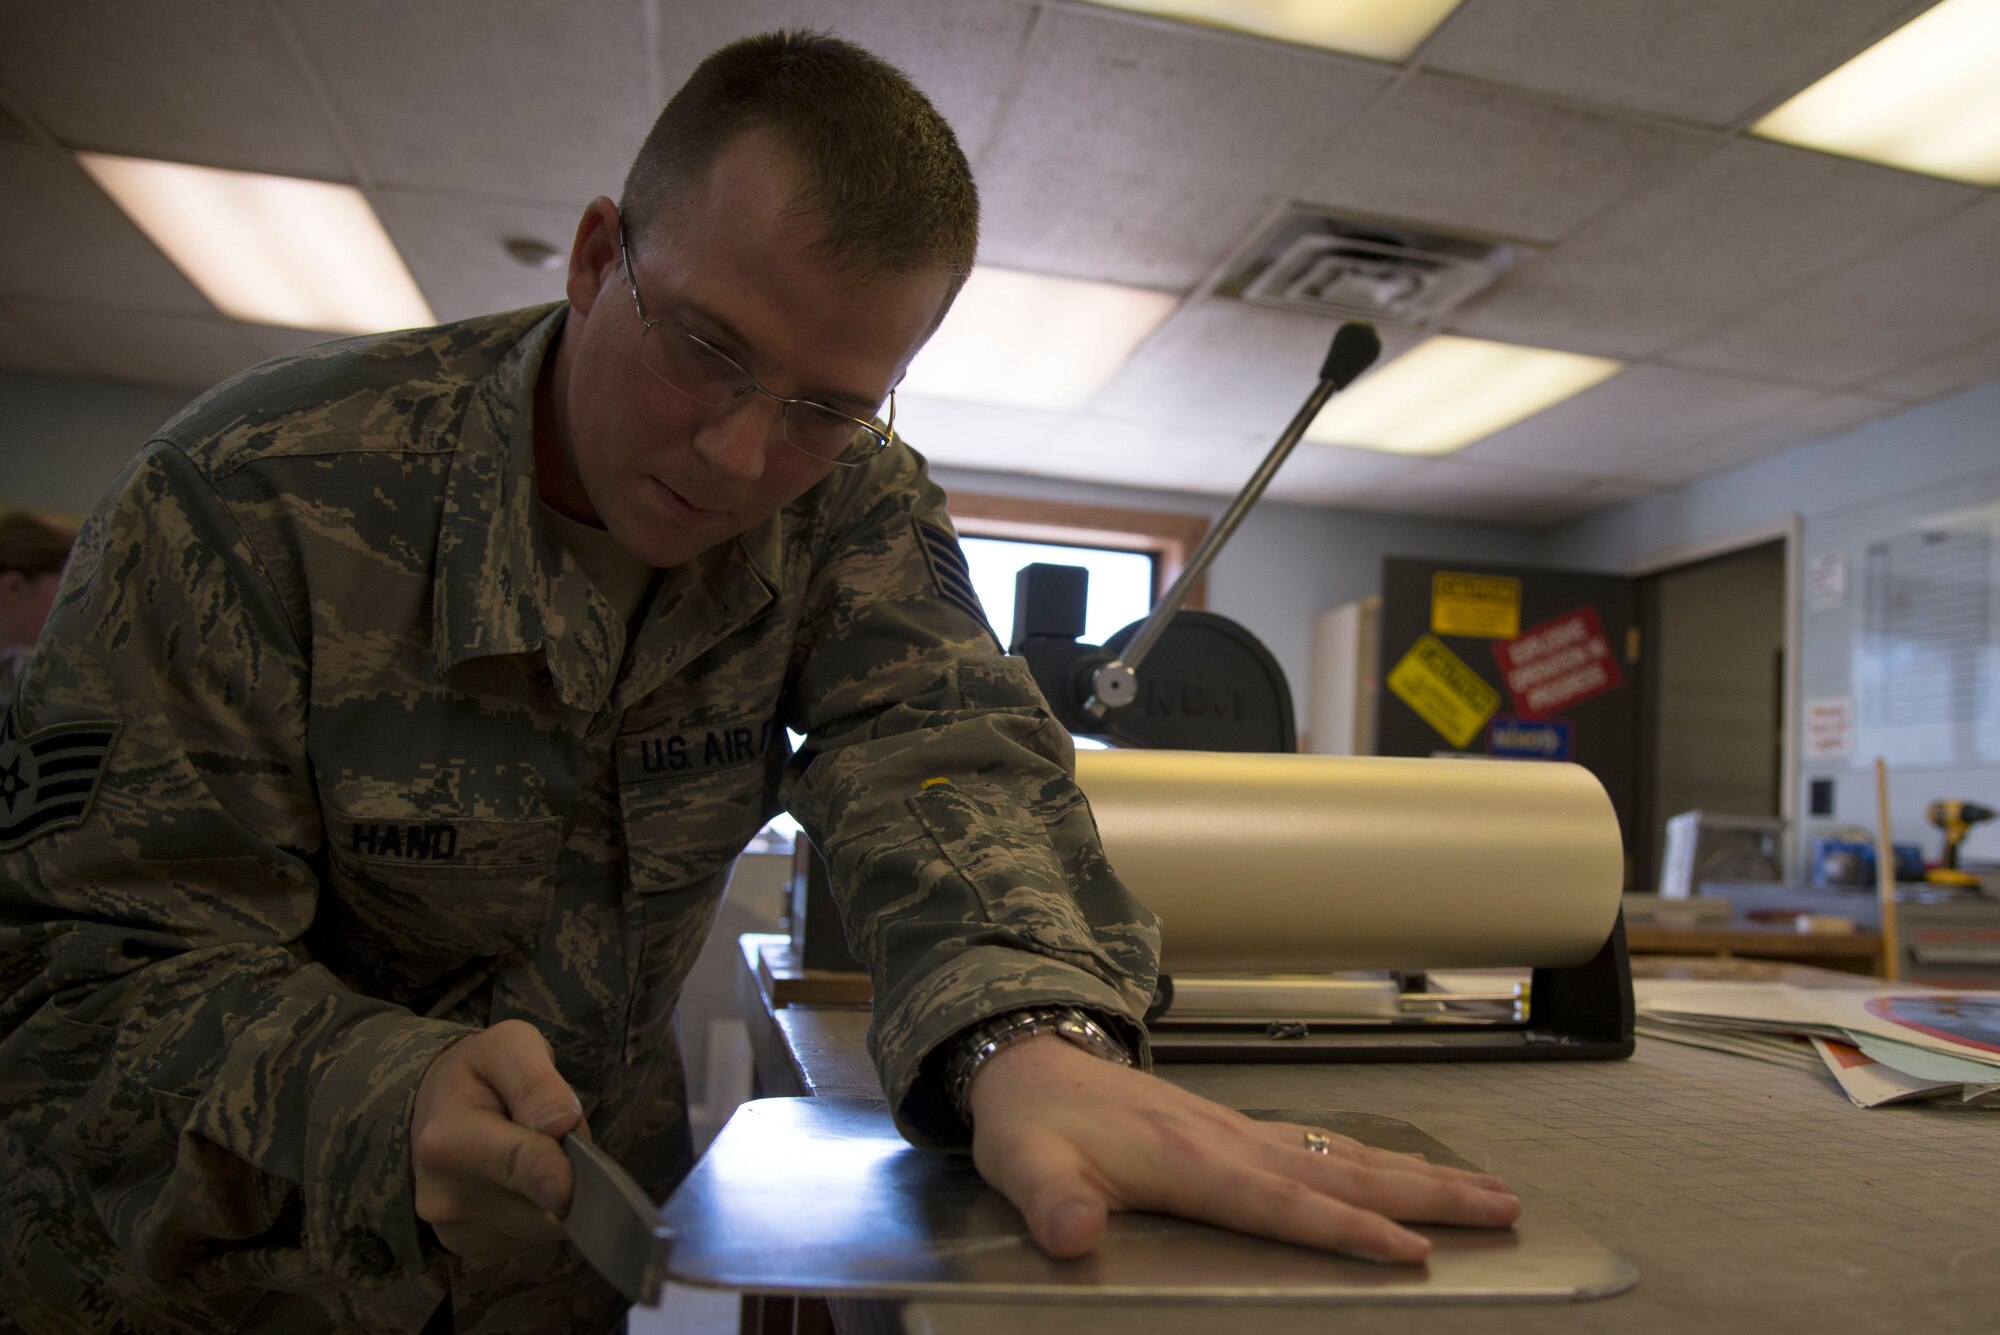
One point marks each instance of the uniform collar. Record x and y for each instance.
(764, 548)
(504, 585)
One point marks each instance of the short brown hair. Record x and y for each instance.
(881, 168)
(32, 546)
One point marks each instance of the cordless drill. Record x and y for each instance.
(1956, 818)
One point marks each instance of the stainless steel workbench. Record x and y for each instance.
(1753, 1198)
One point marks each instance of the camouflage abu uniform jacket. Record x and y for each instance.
(328, 755)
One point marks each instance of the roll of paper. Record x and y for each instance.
(1299, 863)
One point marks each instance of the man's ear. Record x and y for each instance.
(13, 588)
(593, 256)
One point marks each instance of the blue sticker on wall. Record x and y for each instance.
(1529, 739)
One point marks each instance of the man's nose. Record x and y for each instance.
(735, 437)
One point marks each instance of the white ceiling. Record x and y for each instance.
(1763, 295)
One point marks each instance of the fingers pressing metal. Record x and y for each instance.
(1289, 1135)
(1277, 1206)
(1064, 1203)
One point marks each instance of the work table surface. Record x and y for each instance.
(1752, 1197)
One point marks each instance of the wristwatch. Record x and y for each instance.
(979, 1044)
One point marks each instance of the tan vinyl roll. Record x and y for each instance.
(1301, 863)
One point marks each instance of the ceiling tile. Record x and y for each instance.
(1945, 373)
(175, 350)
(1461, 489)
(1913, 301)
(1709, 61)
(1488, 162)
(1158, 455)
(971, 435)
(1336, 475)
(1626, 426)
(517, 99)
(1744, 226)
(962, 56)
(1224, 364)
(1107, 146)
(1079, 447)
(1132, 151)
(62, 239)
(1828, 415)
(207, 81)
(22, 348)
(455, 248)
(1171, 456)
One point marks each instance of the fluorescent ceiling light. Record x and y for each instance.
(1023, 340)
(269, 249)
(1382, 29)
(1449, 391)
(1925, 98)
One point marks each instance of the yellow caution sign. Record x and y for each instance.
(1488, 606)
(1444, 692)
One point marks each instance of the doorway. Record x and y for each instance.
(1713, 692)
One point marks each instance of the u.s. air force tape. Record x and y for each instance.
(49, 778)
(687, 751)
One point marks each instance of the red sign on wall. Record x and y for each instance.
(1554, 665)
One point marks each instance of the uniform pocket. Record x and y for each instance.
(692, 797)
(411, 900)
(1015, 871)
(106, 1131)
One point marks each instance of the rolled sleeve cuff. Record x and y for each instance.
(912, 1032)
(360, 1198)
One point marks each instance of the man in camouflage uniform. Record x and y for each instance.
(377, 778)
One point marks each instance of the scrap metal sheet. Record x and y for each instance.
(818, 1195)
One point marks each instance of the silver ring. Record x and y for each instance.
(1319, 1142)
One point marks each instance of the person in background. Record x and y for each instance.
(32, 553)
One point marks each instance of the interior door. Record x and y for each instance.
(1712, 691)
(1514, 662)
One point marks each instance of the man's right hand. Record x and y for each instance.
(491, 1177)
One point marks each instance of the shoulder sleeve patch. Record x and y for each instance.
(48, 779)
(950, 573)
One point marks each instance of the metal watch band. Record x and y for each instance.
(977, 1045)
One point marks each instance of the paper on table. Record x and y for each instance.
(1778, 1049)
(1767, 1006)
(1924, 1064)
(1869, 1082)
(1958, 1024)
(1938, 1050)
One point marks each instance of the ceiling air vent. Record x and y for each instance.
(1308, 261)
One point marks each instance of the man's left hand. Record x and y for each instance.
(1069, 1138)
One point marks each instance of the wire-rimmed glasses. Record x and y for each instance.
(689, 364)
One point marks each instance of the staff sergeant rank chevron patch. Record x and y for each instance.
(950, 573)
(49, 780)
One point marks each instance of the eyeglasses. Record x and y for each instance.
(689, 364)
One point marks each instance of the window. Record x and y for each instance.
(1121, 583)
(1133, 556)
